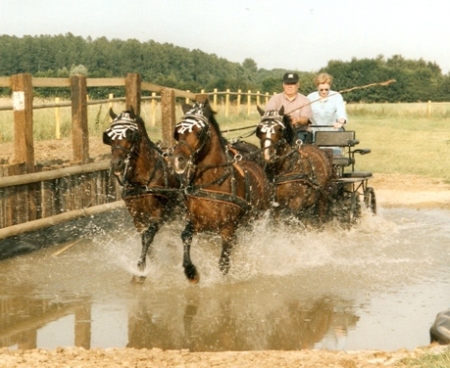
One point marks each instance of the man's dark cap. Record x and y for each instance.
(290, 78)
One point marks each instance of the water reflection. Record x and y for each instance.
(22, 317)
(318, 290)
(200, 325)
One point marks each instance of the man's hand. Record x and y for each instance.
(339, 124)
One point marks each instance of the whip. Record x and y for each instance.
(385, 83)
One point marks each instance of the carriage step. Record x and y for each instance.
(357, 174)
(342, 161)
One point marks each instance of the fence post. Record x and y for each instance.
(248, 101)
(215, 99)
(257, 98)
(227, 102)
(238, 102)
(187, 101)
(168, 117)
(267, 98)
(57, 119)
(80, 134)
(133, 92)
(22, 99)
(153, 108)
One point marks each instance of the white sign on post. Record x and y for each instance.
(18, 100)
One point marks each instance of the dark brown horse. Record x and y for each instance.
(150, 186)
(301, 173)
(220, 193)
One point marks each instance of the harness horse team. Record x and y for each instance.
(218, 186)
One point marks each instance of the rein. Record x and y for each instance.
(196, 118)
(267, 124)
(122, 125)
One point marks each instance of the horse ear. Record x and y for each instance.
(260, 110)
(132, 113)
(186, 107)
(281, 112)
(175, 135)
(106, 138)
(112, 114)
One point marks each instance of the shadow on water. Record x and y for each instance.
(377, 286)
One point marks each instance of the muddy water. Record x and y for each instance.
(377, 286)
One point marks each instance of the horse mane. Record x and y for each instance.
(143, 131)
(289, 131)
(211, 114)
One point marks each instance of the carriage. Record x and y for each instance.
(300, 171)
(349, 186)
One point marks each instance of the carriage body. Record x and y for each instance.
(350, 189)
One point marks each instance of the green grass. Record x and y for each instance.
(404, 138)
(427, 361)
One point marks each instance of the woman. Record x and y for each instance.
(327, 106)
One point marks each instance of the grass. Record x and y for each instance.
(427, 361)
(404, 138)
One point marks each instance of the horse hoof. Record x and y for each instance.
(137, 279)
(194, 280)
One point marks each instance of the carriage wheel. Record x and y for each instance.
(370, 199)
(355, 208)
(349, 209)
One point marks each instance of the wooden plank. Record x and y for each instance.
(58, 219)
(5, 82)
(13, 180)
(105, 82)
(51, 82)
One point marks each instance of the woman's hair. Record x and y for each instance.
(323, 78)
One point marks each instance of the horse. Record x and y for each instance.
(301, 173)
(221, 193)
(150, 188)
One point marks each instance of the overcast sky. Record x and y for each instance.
(297, 34)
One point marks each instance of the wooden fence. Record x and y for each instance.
(34, 197)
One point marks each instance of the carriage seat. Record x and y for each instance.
(345, 140)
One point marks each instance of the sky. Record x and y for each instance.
(302, 35)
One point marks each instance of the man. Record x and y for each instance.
(296, 105)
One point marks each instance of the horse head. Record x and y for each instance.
(192, 134)
(123, 136)
(274, 132)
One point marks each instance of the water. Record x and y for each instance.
(377, 286)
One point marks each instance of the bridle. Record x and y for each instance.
(194, 118)
(269, 121)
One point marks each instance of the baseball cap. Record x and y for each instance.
(290, 77)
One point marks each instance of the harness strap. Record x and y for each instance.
(222, 197)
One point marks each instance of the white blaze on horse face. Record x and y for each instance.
(267, 145)
(268, 130)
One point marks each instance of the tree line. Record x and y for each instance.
(194, 70)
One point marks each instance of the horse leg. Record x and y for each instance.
(189, 269)
(227, 245)
(323, 208)
(146, 240)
